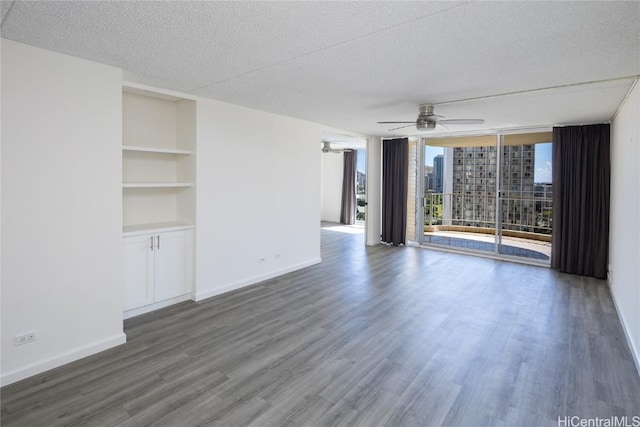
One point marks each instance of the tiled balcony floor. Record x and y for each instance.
(512, 246)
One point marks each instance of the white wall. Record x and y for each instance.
(61, 209)
(258, 195)
(624, 246)
(332, 171)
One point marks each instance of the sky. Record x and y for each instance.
(362, 161)
(543, 163)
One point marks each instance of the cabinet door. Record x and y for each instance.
(172, 264)
(138, 271)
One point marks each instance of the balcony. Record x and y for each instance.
(467, 220)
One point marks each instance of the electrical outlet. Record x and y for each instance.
(277, 255)
(26, 338)
(262, 259)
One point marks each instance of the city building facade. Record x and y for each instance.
(475, 175)
(438, 173)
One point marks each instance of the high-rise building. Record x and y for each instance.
(543, 199)
(361, 179)
(474, 187)
(438, 173)
(428, 178)
(543, 190)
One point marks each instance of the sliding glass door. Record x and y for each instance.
(487, 194)
(525, 197)
(459, 197)
(361, 185)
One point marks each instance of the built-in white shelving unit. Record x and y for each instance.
(158, 157)
(158, 197)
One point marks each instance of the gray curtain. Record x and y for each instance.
(581, 173)
(395, 180)
(348, 205)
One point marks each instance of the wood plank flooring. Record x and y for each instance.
(372, 336)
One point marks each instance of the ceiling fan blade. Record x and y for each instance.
(461, 121)
(402, 127)
(391, 123)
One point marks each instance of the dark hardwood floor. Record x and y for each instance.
(372, 336)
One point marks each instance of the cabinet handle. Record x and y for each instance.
(158, 242)
(151, 242)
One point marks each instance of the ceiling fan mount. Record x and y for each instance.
(428, 120)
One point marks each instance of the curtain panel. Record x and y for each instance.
(348, 203)
(395, 169)
(581, 193)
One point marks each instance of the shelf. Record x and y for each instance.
(156, 150)
(132, 230)
(156, 184)
(158, 161)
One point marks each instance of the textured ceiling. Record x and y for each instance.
(348, 65)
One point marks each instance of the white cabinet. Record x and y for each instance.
(170, 265)
(138, 271)
(158, 268)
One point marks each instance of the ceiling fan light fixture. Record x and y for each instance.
(425, 123)
(326, 148)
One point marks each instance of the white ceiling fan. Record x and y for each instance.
(326, 148)
(428, 120)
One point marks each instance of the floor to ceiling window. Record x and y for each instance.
(488, 194)
(361, 185)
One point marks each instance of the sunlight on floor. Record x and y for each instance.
(341, 228)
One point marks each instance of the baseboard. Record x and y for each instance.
(199, 296)
(156, 306)
(635, 354)
(63, 359)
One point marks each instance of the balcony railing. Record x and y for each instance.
(521, 214)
